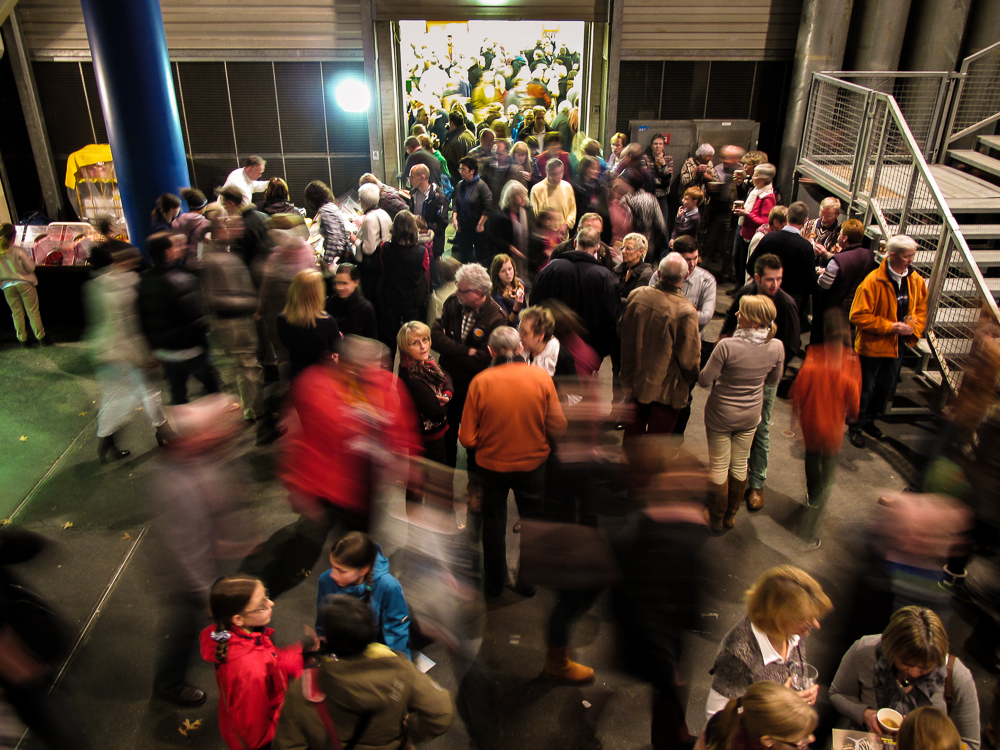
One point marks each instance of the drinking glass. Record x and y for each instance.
(804, 676)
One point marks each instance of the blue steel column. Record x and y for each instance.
(129, 49)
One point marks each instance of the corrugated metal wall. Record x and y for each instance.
(328, 29)
(710, 30)
(510, 10)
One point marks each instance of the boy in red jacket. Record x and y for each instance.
(826, 393)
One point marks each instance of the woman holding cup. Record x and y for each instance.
(783, 607)
(905, 668)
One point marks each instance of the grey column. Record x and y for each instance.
(614, 43)
(371, 78)
(936, 39)
(880, 35)
(821, 43)
(27, 91)
(983, 28)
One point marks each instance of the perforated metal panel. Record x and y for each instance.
(510, 10)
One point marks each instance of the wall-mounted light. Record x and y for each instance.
(352, 96)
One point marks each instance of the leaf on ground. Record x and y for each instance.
(126, 535)
(189, 726)
(83, 413)
(66, 525)
(23, 438)
(304, 573)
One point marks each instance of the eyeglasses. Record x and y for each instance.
(268, 604)
(799, 745)
(467, 291)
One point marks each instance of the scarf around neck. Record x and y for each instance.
(753, 335)
(889, 694)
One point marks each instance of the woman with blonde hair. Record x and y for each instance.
(737, 372)
(526, 170)
(905, 668)
(768, 716)
(304, 328)
(928, 729)
(783, 607)
(429, 387)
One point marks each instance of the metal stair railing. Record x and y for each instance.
(857, 144)
(976, 102)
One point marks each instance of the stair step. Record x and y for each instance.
(982, 162)
(957, 316)
(969, 231)
(952, 347)
(983, 258)
(990, 142)
(963, 286)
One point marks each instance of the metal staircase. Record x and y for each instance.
(859, 145)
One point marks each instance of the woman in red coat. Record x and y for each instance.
(252, 673)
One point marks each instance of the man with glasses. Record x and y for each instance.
(460, 336)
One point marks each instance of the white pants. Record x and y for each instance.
(727, 454)
(123, 388)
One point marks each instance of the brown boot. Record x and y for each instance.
(755, 500)
(559, 667)
(736, 488)
(716, 506)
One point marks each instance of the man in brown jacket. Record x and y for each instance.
(661, 351)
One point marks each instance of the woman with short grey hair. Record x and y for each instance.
(375, 229)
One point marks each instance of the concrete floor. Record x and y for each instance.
(100, 572)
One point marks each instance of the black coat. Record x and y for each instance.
(589, 289)
(435, 213)
(798, 259)
(355, 315)
(425, 157)
(403, 283)
(172, 310)
(446, 339)
(500, 231)
(789, 330)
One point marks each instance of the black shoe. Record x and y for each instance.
(46, 341)
(184, 695)
(872, 429)
(856, 438)
(108, 451)
(164, 434)
(523, 589)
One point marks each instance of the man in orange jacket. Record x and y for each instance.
(889, 310)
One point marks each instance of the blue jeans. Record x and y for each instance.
(878, 377)
(757, 462)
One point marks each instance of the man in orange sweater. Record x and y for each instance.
(511, 412)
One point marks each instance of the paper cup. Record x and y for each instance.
(889, 720)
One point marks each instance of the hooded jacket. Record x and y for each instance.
(386, 601)
(379, 684)
(252, 682)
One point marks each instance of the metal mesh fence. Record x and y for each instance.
(920, 98)
(858, 138)
(978, 98)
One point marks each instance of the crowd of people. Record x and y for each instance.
(363, 339)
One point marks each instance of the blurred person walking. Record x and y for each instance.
(336, 243)
(231, 297)
(354, 314)
(825, 395)
(193, 224)
(471, 208)
(123, 363)
(175, 321)
(168, 206)
(252, 673)
(275, 199)
(738, 371)
(376, 228)
(199, 494)
(17, 277)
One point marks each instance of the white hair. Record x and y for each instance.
(831, 201)
(504, 341)
(510, 191)
(475, 276)
(369, 195)
(900, 243)
(705, 149)
(673, 269)
(765, 170)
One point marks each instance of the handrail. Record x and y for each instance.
(976, 55)
(963, 75)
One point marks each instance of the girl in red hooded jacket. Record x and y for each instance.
(252, 673)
